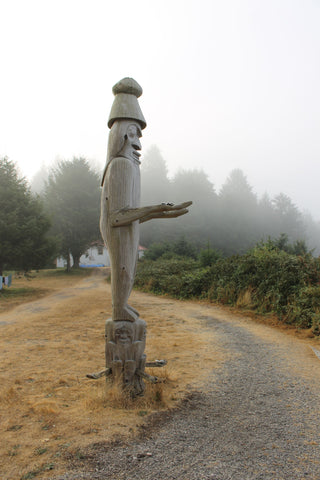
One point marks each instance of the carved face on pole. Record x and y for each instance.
(132, 143)
(123, 333)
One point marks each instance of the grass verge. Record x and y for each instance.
(35, 285)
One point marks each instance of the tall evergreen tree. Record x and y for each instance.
(312, 231)
(237, 214)
(289, 219)
(39, 180)
(24, 243)
(154, 178)
(72, 196)
(267, 218)
(155, 188)
(199, 225)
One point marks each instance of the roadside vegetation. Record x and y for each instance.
(273, 277)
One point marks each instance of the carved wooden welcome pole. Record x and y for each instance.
(120, 217)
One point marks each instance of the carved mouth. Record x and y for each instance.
(136, 154)
(124, 341)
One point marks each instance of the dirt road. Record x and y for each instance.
(256, 417)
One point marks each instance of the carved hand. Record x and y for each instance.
(126, 216)
(172, 206)
(169, 214)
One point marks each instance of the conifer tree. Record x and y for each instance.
(24, 243)
(72, 197)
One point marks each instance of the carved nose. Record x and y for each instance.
(136, 144)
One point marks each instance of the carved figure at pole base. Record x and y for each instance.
(119, 223)
(125, 344)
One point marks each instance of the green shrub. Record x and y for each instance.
(266, 278)
(304, 309)
(208, 257)
(316, 324)
(156, 250)
(179, 277)
(273, 276)
(180, 248)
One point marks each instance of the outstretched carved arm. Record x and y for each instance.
(126, 216)
(174, 214)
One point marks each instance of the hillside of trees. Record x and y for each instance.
(59, 212)
(231, 220)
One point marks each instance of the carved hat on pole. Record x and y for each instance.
(125, 105)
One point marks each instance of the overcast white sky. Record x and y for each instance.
(227, 84)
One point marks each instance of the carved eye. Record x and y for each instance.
(132, 131)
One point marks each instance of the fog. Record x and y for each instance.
(227, 85)
(231, 221)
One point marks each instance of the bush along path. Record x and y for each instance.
(256, 417)
(266, 280)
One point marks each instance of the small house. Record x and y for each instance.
(97, 255)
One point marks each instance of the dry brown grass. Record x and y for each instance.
(47, 405)
(33, 286)
(245, 299)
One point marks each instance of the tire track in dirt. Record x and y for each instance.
(48, 302)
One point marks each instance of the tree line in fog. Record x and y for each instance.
(58, 213)
(231, 220)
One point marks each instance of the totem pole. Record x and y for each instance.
(120, 217)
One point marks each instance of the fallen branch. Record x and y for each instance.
(100, 374)
(149, 378)
(157, 363)
(108, 371)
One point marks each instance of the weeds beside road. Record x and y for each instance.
(265, 280)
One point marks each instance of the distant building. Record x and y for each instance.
(141, 251)
(97, 255)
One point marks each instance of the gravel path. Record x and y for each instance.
(258, 417)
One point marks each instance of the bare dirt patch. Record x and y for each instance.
(36, 285)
